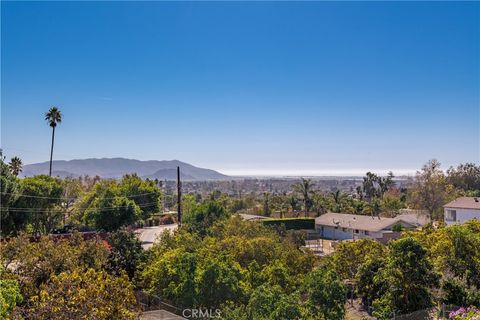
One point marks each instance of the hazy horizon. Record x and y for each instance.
(357, 172)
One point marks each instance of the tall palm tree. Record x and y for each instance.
(304, 187)
(53, 117)
(15, 165)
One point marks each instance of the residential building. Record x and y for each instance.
(461, 210)
(342, 226)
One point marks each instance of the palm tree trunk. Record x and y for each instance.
(51, 152)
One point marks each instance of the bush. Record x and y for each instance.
(84, 295)
(397, 227)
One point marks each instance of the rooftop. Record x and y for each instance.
(464, 203)
(361, 222)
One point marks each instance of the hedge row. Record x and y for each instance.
(291, 223)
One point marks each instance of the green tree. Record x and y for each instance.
(367, 288)
(11, 220)
(53, 117)
(72, 191)
(40, 200)
(465, 176)
(9, 295)
(408, 277)
(219, 281)
(305, 189)
(321, 203)
(84, 295)
(145, 194)
(457, 291)
(33, 263)
(293, 203)
(270, 302)
(454, 253)
(374, 186)
(189, 204)
(126, 253)
(266, 204)
(391, 205)
(369, 185)
(225, 266)
(338, 199)
(349, 256)
(171, 274)
(326, 295)
(205, 216)
(113, 212)
(385, 183)
(276, 274)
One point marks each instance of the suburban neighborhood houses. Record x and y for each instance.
(461, 210)
(342, 226)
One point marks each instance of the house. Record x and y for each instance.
(342, 226)
(461, 210)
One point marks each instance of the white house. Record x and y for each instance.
(461, 210)
(342, 226)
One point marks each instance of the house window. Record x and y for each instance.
(367, 233)
(451, 215)
(344, 229)
(357, 231)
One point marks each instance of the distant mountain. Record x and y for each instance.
(117, 167)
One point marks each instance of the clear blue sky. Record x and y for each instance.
(245, 87)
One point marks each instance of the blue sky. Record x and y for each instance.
(245, 87)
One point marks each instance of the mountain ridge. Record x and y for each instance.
(118, 167)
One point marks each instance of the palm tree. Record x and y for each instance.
(15, 165)
(305, 189)
(338, 197)
(53, 117)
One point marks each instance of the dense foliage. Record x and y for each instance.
(241, 267)
(216, 260)
(41, 204)
(424, 268)
(67, 278)
(9, 295)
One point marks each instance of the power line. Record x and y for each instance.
(42, 210)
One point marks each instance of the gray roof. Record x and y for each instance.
(464, 203)
(416, 219)
(360, 222)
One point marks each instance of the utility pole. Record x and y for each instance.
(179, 198)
